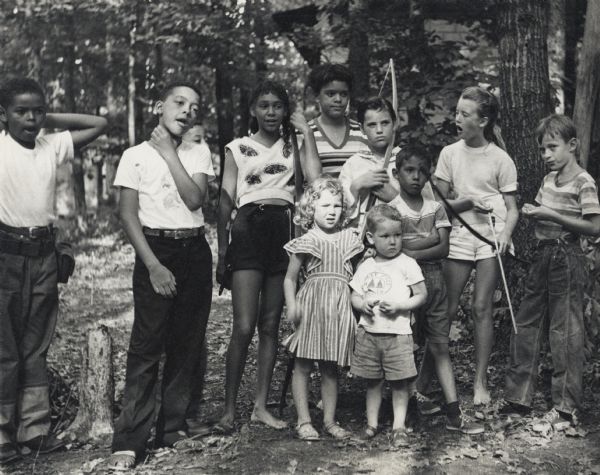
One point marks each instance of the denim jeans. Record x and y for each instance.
(554, 300)
(28, 311)
(176, 326)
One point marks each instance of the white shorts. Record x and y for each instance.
(466, 247)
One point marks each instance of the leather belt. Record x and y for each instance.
(184, 233)
(27, 248)
(32, 232)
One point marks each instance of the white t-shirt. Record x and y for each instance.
(388, 280)
(160, 206)
(28, 178)
(483, 172)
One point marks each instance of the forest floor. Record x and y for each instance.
(100, 293)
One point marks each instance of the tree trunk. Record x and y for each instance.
(588, 81)
(358, 54)
(131, 89)
(94, 421)
(573, 33)
(110, 192)
(224, 91)
(71, 106)
(557, 46)
(525, 99)
(244, 112)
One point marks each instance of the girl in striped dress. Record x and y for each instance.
(321, 310)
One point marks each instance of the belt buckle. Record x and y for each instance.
(178, 234)
(31, 231)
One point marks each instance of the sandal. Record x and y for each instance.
(306, 431)
(122, 460)
(337, 432)
(368, 433)
(400, 438)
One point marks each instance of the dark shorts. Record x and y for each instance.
(432, 323)
(258, 235)
(379, 356)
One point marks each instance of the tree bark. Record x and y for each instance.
(557, 47)
(525, 99)
(358, 54)
(588, 81)
(94, 420)
(131, 87)
(225, 123)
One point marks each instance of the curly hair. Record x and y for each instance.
(305, 208)
(16, 86)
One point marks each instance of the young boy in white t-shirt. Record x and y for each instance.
(163, 187)
(28, 264)
(385, 290)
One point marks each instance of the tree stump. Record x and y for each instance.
(94, 421)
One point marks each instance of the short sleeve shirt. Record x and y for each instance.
(483, 172)
(28, 178)
(388, 280)
(418, 224)
(160, 206)
(576, 199)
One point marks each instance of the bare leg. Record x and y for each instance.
(302, 369)
(268, 339)
(329, 390)
(486, 279)
(399, 403)
(423, 382)
(374, 397)
(245, 293)
(443, 366)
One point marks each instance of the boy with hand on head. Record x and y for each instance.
(162, 190)
(425, 231)
(363, 172)
(28, 264)
(567, 207)
(337, 137)
(385, 290)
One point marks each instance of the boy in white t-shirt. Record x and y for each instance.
(28, 263)
(163, 187)
(385, 290)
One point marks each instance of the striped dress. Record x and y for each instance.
(326, 330)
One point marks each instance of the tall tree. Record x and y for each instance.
(524, 91)
(588, 81)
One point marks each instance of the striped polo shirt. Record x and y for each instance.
(333, 156)
(575, 199)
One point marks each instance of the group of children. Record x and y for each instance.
(411, 279)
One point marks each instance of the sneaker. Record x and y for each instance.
(8, 454)
(462, 424)
(513, 409)
(44, 444)
(426, 406)
(557, 419)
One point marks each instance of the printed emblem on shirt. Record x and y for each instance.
(377, 283)
(248, 151)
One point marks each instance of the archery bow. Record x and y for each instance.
(390, 147)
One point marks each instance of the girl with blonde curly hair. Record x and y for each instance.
(321, 310)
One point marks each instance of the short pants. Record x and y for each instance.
(465, 246)
(432, 322)
(383, 356)
(258, 234)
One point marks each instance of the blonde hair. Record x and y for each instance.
(305, 208)
(488, 107)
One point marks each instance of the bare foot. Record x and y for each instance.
(481, 396)
(265, 417)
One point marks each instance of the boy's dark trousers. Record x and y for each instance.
(553, 290)
(173, 325)
(28, 311)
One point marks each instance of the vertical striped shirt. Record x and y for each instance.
(575, 199)
(334, 156)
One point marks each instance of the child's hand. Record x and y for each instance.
(163, 281)
(294, 314)
(298, 120)
(161, 141)
(369, 302)
(389, 309)
(371, 179)
(504, 241)
(537, 212)
(481, 206)
(220, 272)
